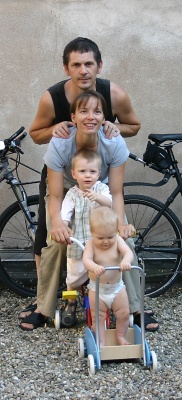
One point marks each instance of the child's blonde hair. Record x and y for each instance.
(103, 217)
(88, 155)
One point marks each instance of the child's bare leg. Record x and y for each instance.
(121, 310)
(102, 316)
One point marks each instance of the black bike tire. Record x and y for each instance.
(152, 205)
(15, 285)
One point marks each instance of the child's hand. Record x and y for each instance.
(99, 270)
(125, 266)
(91, 195)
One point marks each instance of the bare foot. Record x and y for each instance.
(151, 325)
(28, 310)
(122, 341)
(29, 326)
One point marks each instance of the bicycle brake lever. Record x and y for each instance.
(19, 150)
(14, 148)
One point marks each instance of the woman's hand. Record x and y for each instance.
(62, 130)
(126, 231)
(110, 130)
(60, 233)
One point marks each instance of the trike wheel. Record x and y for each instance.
(81, 348)
(131, 321)
(153, 366)
(91, 365)
(57, 319)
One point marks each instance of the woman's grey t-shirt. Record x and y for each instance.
(113, 153)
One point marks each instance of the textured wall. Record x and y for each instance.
(140, 43)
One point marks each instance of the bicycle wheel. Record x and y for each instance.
(161, 267)
(17, 264)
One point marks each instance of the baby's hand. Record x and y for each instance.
(91, 195)
(99, 270)
(125, 266)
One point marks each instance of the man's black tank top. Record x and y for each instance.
(62, 107)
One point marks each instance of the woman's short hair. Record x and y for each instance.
(83, 98)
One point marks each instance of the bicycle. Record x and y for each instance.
(18, 224)
(149, 216)
(158, 241)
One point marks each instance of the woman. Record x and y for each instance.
(88, 112)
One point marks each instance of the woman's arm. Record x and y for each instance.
(116, 178)
(126, 253)
(60, 232)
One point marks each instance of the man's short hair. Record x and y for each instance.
(82, 45)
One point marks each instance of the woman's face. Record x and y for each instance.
(89, 117)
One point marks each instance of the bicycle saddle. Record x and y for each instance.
(160, 138)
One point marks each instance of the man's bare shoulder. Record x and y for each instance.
(46, 108)
(46, 99)
(118, 95)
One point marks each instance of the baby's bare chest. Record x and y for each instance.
(109, 257)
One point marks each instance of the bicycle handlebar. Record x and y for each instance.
(13, 142)
(15, 134)
(136, 158)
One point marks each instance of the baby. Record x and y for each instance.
(107, 248)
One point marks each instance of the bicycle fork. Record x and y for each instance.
(21, 196)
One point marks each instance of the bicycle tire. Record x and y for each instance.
(162, 269)
(17, 264)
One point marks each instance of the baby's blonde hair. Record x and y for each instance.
(88, 155)
(103, 217)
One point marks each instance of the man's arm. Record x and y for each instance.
(42, 126)
(60, 232)
(116, 177)
(129, 123)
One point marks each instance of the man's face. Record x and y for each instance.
(83, 69)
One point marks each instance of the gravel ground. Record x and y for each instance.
(44, 364)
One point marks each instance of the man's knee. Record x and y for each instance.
(53, 254)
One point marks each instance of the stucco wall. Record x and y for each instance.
(140, 43)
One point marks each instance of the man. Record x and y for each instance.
(82, 62)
